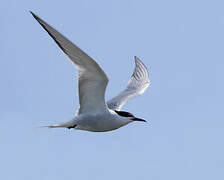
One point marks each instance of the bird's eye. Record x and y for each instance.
(124, 114)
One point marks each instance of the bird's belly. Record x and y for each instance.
(98, 124)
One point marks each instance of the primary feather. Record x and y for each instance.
(92, 80)
(137, 85)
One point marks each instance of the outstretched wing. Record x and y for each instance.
(92, 80)
(137, 85)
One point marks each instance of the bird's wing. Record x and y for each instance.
(137, 85)
(92, 80)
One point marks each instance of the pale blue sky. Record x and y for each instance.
(181, 43)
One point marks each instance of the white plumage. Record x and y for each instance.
(94, 114)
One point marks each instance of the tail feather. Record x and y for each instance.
(52, 126)
(62, 125)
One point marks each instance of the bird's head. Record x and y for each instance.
(130, 116)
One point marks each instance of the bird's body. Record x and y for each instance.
(94, 114)
(100, 122)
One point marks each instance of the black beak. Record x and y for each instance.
(138, 119)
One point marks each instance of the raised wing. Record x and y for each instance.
(92, 80)
(137, 85)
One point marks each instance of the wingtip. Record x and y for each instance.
(137, 59)
(32, 13)
(141, 65)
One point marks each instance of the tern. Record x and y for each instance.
(94, 114)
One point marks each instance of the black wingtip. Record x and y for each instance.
(34, 15)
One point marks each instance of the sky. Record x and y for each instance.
(181, 43)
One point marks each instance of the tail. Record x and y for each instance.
(70, 124)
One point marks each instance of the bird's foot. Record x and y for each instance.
(69, 127)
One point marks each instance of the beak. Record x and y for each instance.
(138, 119)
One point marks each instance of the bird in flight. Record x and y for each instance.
(94, 114)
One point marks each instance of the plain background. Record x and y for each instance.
(181, 43)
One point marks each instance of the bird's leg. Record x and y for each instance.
(69, 127)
